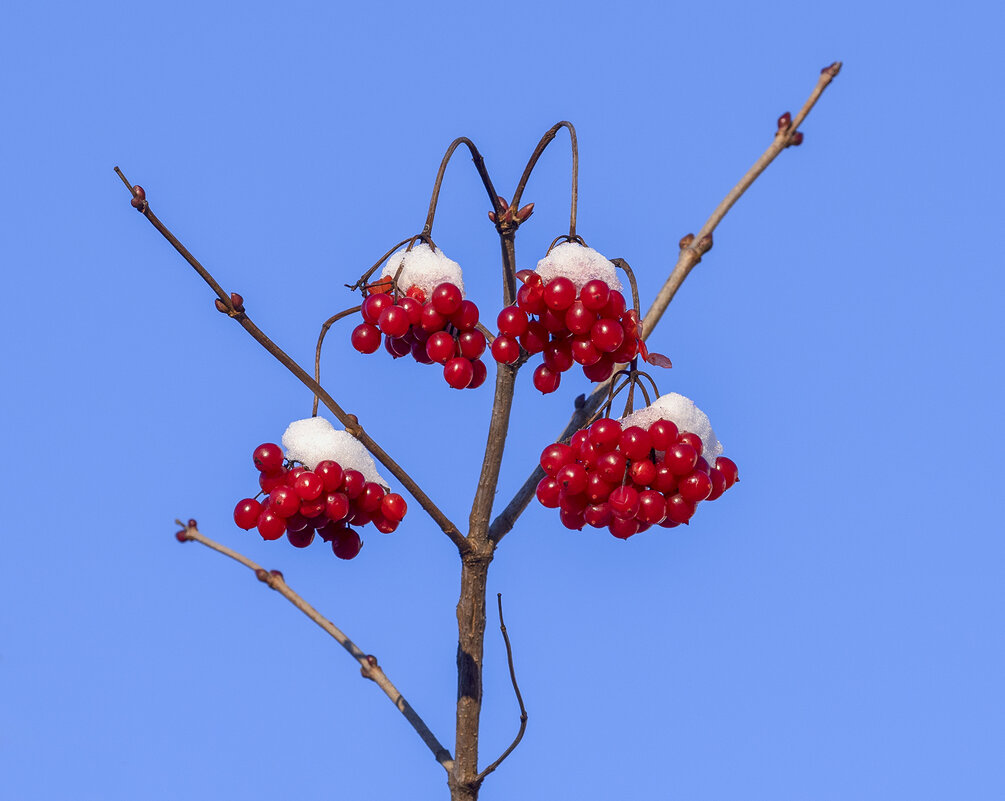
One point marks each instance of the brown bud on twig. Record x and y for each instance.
(784, 121)
(277, 574)
(501, 203)
(833, 69)
(262, 574)
(797, 139)
(220, 306)
(705, 243)
(181, 536)
(525, 212)
(686, 240)
(192, 523)
(238, 301)
(492, 216)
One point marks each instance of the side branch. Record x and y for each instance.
(692, 248)
(519, 698)
(226, 304)
(367, 662)
(476, 157)
(545, 141)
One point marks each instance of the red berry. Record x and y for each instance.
(598, 515)
(607, 335)
(679, 508)
(548, 490)
(615, 306)
(268, 458)
(545, 379)
(695, 487)
(535, 338)
(291, 475)
(336, 506)
(300, 539)
(595, 294)
(458, 372)
(642, 472)
(530, 298)
(270, 525)
(605, 433)
(312, 509)
(296, 522)
(718, 480)
(629, 350)
(512, 321)
(663, 434)
(370, 499)
(393, 506)
(269, 482)
(472, 344)
(597, 490)
(624, 527)
(571, 519)
(691, 439)
(600, 370)
(393, 321)
(480, 373)
(374, 305)
(466, 317)
(558, 355)
(505, 349)
(624, 501)
(681, 459)
(246, 513)
(579, 319)
(397, 346)
(441, 347)
(611, 467)
(555, 457)
(331, 474)
(419, 352)
(702, 465)
(412, 308)
(446, 299)
(652, 507)
(365, 337)
(728, 469)
(432, 320)
(383, 525)
(665, 480)
(284, 501)
(308, 485)
(584, 352)
(554, 323)
(353, 483)
(347, 544)
(559, 293)
(635, 443)
(418, 293)
(572, 478)
(331, 531)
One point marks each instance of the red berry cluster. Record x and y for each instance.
(628, 480)
(438, 331)
(593, 329)
(324, 501)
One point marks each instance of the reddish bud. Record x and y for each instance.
(192, 523)
(181, 536)
(686, 241)
(237, 300)
(797, 139)
(784, 121)
(492, 216)
(525, 212)
(220, 306)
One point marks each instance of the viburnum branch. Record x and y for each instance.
(545, 141)
(350, 421)
(692, 248)
(519, 698)
(476, 157)
(317, 353)
(366, 276)
(367, 662)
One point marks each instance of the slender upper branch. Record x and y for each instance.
(367, 662)
(693, 247)
(519, 698)
(476, 157)
(350, 421)
(545, 141)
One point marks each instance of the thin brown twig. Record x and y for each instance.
(476, 157)
(693, 247)
(317, 353)
(519, 698)
(541, 145)
(367, 662)
(349, 421)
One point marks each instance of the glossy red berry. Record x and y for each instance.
(652, 507)
(365, 337)
(530, 298)
(679, 509)
(269, 481)
(412, 308)
(642, 472)
(374, 305)
(559, 293)
(663, 434)
(268, 458)
(353, 483)
(600, 370)
(441, 347)
(336, 506)
(417, 292)
(471, 343)
(535, 338)
(480, 373)
(572, 478)
(681, 459)
(607, 335)
(718, 483)
(572, 519)
(270, 525)
(695, 487)
(347, 544)
(555, 457)
(246, 513)
(546, 380)
(548, 491)
(284, 501)
(393, 321)
(466, 316)
(458, 372)
(595, 294)
(611, 467)
(331, 474)
(308, 485)
(558, 355)
(615, 306)
(624, 501)
(635, 443)
(371, 497)
(383, 525)
(397, 346)
(728, 469)
(598, 515)
(584, 352)
(624, 527)
(579, 319)
(505, 349)
(393, 506)
(512, 321)
(691, 439)
(446, 299)
(432, 320)
(301, 539)
(605, 433)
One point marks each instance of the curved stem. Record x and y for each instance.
(476, 157)
(365, 276)
(367, 662)
(631, 282)
(317, 352)
(545, 141)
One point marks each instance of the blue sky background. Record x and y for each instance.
(830, 629)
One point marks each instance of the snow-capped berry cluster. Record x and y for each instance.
(432, 322)
(322, 497)
(578, 316)
(627, 477)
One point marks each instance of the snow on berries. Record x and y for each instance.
(326, 483)
(431, 321)
(651, 468)
(570, 310)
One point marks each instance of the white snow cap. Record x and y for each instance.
(425, 268)
(315, 439)
(579, 264)
(685, 415)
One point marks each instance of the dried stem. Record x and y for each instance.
(317, 353)
(476, 157)
(693, 247)
(519, 698)
(367, 662)
(545, 141)
(350, 421)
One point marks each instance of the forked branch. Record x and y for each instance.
(367, 662)
(692, 248)
(226, 303)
